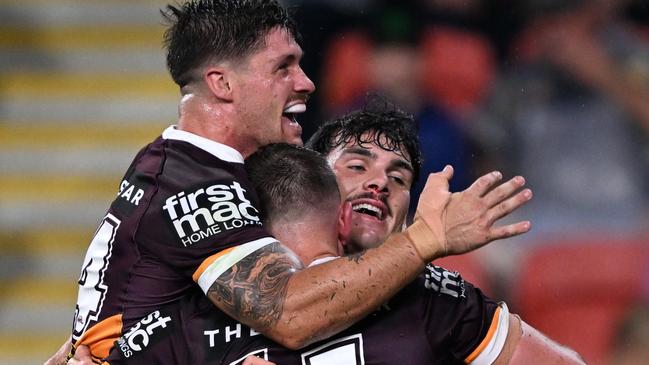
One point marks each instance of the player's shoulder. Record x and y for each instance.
(202, 194)
(448, 291)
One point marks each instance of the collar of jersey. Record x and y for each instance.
(322, 260)
(221, 151)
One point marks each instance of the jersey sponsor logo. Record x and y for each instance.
(445, 282)
(208, 211)
(142, 334)
(228, 333)
(130, 192)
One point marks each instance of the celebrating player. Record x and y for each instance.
(438, 318)
(185, 214)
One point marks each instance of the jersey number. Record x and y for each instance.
(343, 351)
(92, 289)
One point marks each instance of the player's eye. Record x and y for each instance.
(283, 67)
(398, 180)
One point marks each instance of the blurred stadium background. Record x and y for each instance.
(495, 84)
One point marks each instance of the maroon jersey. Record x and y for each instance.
(437, 319)
(184, 214)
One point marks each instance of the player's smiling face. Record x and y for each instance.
(273, 90)
(377, 184)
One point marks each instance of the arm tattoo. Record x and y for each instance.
(253, 291)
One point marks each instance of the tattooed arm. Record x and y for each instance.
(254, 290)
(271, 291)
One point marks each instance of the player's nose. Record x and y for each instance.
(303, 83)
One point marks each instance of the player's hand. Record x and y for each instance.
(61, 356)
(471, 214)
(81, 356)
(254, 360)
(461, 222)
(427, 233)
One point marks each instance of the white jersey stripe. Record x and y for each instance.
(497, 342)
(223, 263)
(221, 151)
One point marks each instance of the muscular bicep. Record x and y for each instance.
(513, 337)
(526, 345)
(253, 290)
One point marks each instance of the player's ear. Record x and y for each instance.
(219, 83)
(344, 223)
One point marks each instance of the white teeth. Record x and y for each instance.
(297, 108)
(357, 207)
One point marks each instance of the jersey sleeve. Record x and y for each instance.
(493, 343)
(461, 319)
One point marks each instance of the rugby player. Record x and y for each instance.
(437, 319)
(185, 214)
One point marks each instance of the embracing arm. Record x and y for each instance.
(271, 291)
(526, 345)
(61, 356)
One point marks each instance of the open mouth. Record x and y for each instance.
(291, 111)
(368, 209)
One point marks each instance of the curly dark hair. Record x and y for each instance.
(380, 122)
(214, 30)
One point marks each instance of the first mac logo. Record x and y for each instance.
(209, 211)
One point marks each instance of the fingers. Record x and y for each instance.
(504, 191)
(448, 172)
(504, 208)
(439, 180)
(56, 359)
(82, 356)
(436, 192)
(509, 230)
(253, 360)
(484, 183)
(61, 355)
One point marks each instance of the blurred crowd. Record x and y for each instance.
(554, 90)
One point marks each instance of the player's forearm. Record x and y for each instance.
(324, 300)
(272, 292)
